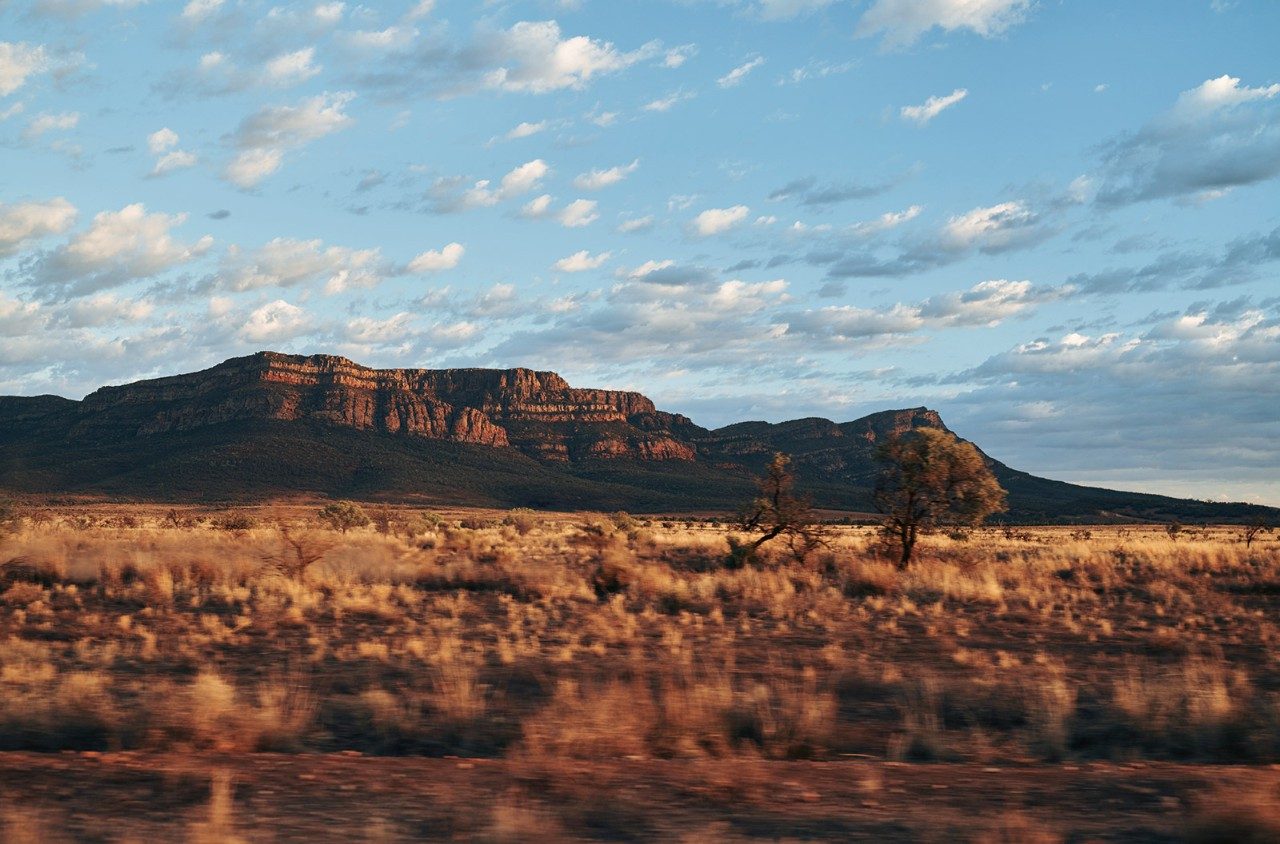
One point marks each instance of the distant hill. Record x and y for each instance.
(271, 424)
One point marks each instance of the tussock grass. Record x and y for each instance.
(602, 636)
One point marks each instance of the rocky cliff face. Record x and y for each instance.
(536, 412)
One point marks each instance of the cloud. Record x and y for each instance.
(677, 56)
(734, 77)
(530, 57)
(1146, 411)
(988, 303)
(18, 63)
(176, 160)
(991, 230)
(23, 222)
(275, 322)
(885, 222)
(198, 11)
(579, 213)
(654, 322)
(537, 208)
(1237, 263)
(448, 195)
(902, 22)
(161, 140)
(43, 123)
(286, 262)
(597, 179)
(390, 39)
(266, 135)
(102, 309)
(291, 68)
(118, 247)
(778, 10)
(250, 167)
(576, 214)
(1223, 92)
(75, 8)
(1218, 136)
(719, 220)
(421, 9)
(668, 102)
(434, 260)
(809, 192)
(161, 143)
(581, 262)
(525, 130)
(637, 224)
(932, 107)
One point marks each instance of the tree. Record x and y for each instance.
(930, 478)
(1253, 529)
(776, 512)
(343, 516)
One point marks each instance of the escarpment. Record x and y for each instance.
(536, 412)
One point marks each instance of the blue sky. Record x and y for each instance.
(1058, 223)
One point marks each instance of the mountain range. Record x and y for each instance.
(271, 424)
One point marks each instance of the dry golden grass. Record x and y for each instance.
(589, 636)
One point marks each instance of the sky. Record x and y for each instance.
(1057, 222)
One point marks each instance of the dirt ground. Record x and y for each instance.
(341, 797)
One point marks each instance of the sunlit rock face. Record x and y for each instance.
(536, 412)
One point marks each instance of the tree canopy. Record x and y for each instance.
(930, 478)
(779, 511)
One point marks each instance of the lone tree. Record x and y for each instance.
(1251, 530)
(778, 511)
(343, 516)
(929, 478)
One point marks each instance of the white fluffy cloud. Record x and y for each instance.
(162, 144)
(447, 197)
(932, 107)
(435, 260)
(18, 62)
(198, 11)
(718, 220)
(597, 179)
(291, 68)
(990, 229)
(285, 262)
(23, 222)
(526, 130)
(579, 213)
(250, 167)
(581, 261)
(266, 135)
(1223, 92)
(901, 22)
(118, 247)
(533, 56)
(275, 322)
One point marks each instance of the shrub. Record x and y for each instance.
(235, 522)
(522, 519)
(343, 516)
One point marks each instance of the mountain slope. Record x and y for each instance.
(272, 424)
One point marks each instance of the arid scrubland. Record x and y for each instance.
(549, 641)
